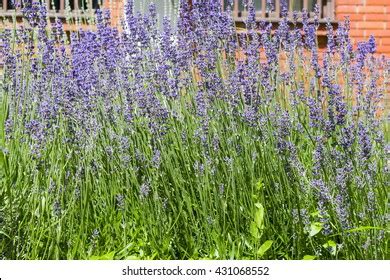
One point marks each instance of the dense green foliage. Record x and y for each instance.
(205, 174)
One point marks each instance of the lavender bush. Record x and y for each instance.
(191, 142)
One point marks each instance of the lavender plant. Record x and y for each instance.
(193, 141)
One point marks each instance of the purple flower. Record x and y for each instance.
(315, 113)
(144, 190)
(120, 201)
(156, 160)
(364, 140)
(318, 157)
(57, 211)
(251, 19)
(371, 45)
(324, 198)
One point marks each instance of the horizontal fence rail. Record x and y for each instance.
(272, 9)
(53, 6)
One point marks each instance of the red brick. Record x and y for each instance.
(370, 25)
(356, 40)
(376, 17)
(376, 2)
(352, 17)
(379, 33)
(350, 2)
(357, 33)
(371, 9)
(354, 25)
(385, 42)
(383, 49)
(116, 8)
(344, 9)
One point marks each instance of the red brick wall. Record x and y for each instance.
(368, 17)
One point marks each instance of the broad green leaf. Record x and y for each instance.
(309, 257)
(134, 258)
(259, 215)
(108, 256)
(330, 243)
(331, 246)
(43, 205)
(254, 230)
(264, 248)
(258, 205)
(315, 228)
(315, 214)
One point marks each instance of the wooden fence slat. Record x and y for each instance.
(319, 4)
(235, 9)
(263, 8)
(277, 8)
(332, 9)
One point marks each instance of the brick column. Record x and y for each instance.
(116, 7)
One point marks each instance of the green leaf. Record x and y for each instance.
(264, 248)
(315, 214)
(259, 185)
(258, 205)
(315, 228)
(248, 244)
(124, 252)
(108, 256)
(132, 258)
(331, 246)
(330, 243)
(364, 228)
(3, 233)
(259, 215)
(254, 230)
(229, 237)
(309, 257)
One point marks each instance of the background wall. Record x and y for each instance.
(368, 17)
